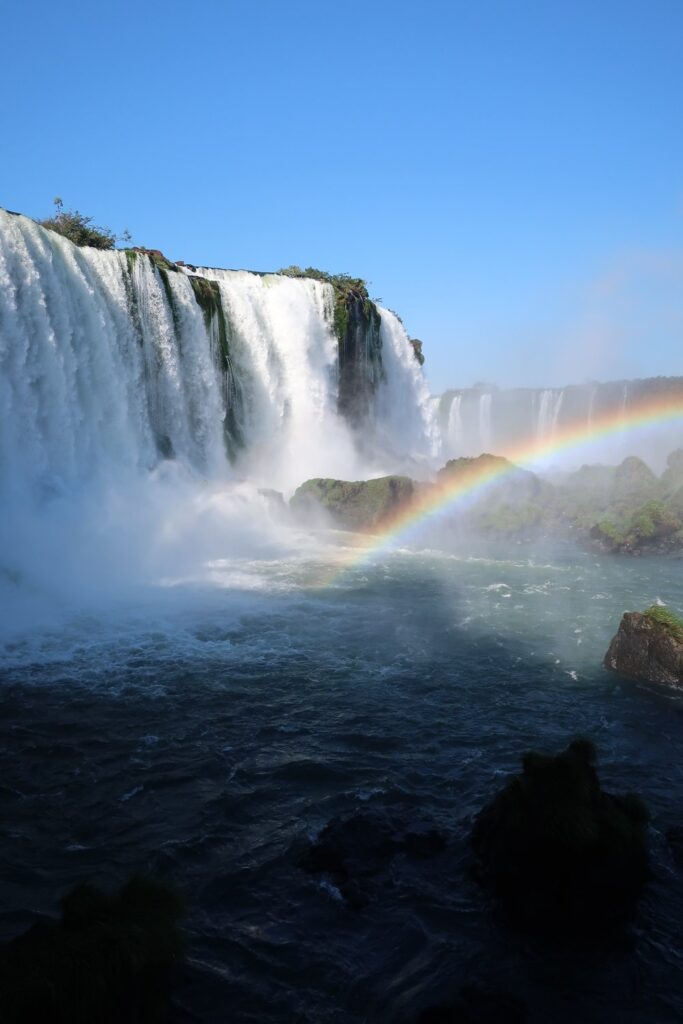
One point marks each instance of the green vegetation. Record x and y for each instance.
(79, 229)
(654, 523)
(208, 296)
(347, 290)
(417, 349)
(513, 520)
(357, 505)
(664, 617)
(108, 959)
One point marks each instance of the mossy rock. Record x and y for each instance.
(563, 857)
(109, 959)
(648, 646)
(356, 505)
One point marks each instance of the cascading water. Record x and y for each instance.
(109, 360)
(485, 431)
(454, 430)
(143, 405)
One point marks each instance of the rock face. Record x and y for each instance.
(564, 858)
(648, 646)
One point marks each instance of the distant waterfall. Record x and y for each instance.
(115, 361)
(454, 433)
(485, 432)
(504, 421)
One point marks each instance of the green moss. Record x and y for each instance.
(170, 298)
(664, 617)
(358, 504)
(208, 296)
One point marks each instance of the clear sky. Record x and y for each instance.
(508, 175)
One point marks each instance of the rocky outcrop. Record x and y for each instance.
(354, 853)
(648, 646)
(563, 857)
(109, 959)
(477, 1005)
(355, 505)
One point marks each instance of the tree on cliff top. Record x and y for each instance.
(79, 229)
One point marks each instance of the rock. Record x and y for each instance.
(353, 851)
(564, 858)
(476, 1005)
(108, 959)
(648, 646)
(274, 499)
(355, 505)
(674, 837)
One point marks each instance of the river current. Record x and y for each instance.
(207, 729)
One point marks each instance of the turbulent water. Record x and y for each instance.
(206, 732)
(192, 687)
(111, 364)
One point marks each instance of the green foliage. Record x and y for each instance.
(346, 289)
(511, 519)
(417, 350)
(340, 282)
(358, 505)
(79, 229)
(664, 617)
(655, 522)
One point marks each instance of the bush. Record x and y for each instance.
(79, 229)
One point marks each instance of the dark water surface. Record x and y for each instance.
(204, 737)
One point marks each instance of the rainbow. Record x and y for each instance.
(442, 497)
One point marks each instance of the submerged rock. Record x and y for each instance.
(108, 959)
(648, 646)
(563, 857)
(476, 1005)
(353, 851)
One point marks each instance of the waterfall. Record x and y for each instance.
(455, 431)
(544, 415)
(406, 420)
(115, 361)
(485, 432)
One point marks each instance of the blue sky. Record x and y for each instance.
(507, 175)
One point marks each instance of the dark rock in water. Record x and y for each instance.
(352, 851)
(563, 857)
(108, 959)
(648, 646)
(476, 1005)
(358, 504)
(674, 837)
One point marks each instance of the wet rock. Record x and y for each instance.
(353, 851)
(563, 857)
(108, 959)
(476, 1005)
(648, 646)
(358, 504)
(674, 837)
